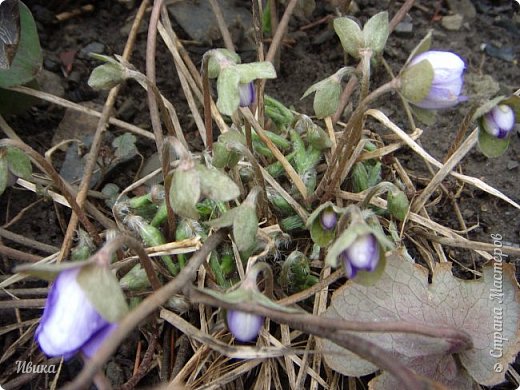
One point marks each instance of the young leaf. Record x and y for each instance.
(227, 89)
(491, 146)
(217, 185)
(245, 227)
(255, 70)
(28, 59)
(326, 99)
(376, 31)
(18, 162)
(4, 175)
(349, 34)
(125, 145)
(102, 290)
(185, 193)
(403, 294)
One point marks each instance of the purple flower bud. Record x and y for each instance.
(499, 121)
(247, 94)
(447, 79)
(362, 254)
(328, 219)
(69, 322)
(244, 326)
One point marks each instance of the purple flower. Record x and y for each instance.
(328, 219)
(499, 121)
(447, 79)
(69, 322)
(362, 254)
(247, 94)
(244, 326)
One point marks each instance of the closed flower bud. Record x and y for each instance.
(70, 322)
(499, 121)
(362, 254)
(328, 219)
(244, 326)
(445, 84)
(247, 94)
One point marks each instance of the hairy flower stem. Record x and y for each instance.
(207, 103)
(347, 143)
(63, 187)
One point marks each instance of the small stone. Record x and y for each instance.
(92, 47)
(51, 83)
(512, 164)
(405, 28)
(452, 22)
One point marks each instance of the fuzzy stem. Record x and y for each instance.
(347, 143)
(207, 103)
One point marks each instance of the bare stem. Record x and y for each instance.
(207, 103)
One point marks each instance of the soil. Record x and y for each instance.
(310, 55)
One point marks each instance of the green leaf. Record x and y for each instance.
(10, 36)
(428, 117)
(416, 81)
(318, 138)
(225, 220)
(4, 174)
(486, 107)
(245, 226)
(326, 99)
(102, 290)
(491, 146)
(359, 177)
(217, 185)
(125, 145)
(28, 59)
(514, 102)
(397, 204)
(376, 31)
(49, 272)
(321, 236)
(423, 46)
(185, 192)
(19, 164)
(349, 34)
(227, 89)
(404, 294)
(107, 76)
(219, 58)
(255, 70)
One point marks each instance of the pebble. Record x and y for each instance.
(512, 164)
(92, 47)
(405, 28)
(452, 22)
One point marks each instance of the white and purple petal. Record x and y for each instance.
(247, 94)
(361, 255)
(69, 320)
(244, 326)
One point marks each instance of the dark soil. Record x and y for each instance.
(309, 56)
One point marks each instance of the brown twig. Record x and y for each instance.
(143, 367)
(280, 30)
(147, 307)
(222, 25)
(22, 240)
(18, 255)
